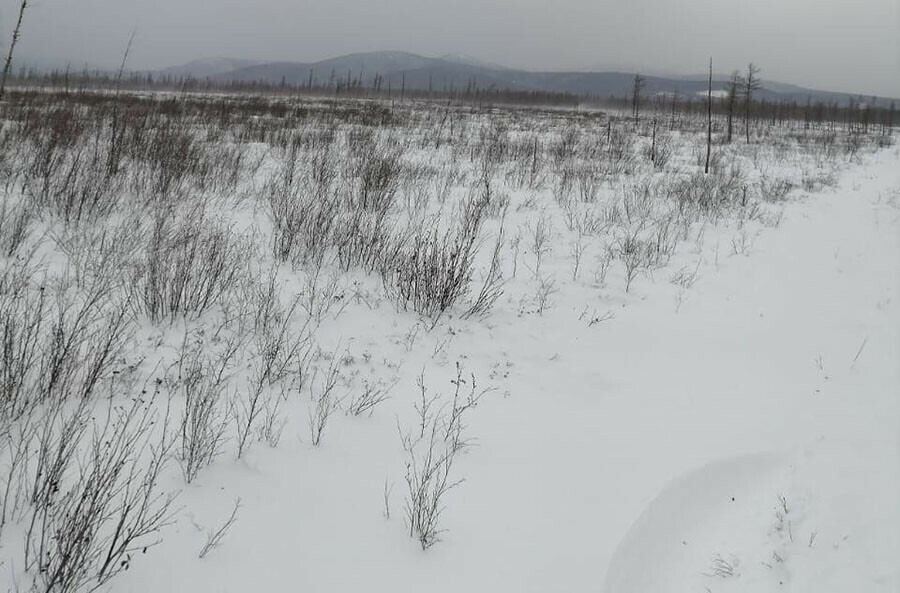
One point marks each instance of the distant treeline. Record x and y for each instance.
(858, 114)
(378, 87)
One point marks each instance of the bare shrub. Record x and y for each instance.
(378, 171)
(17, 442)
(214, 538)
(774, 189)
(431, 451)
(187, 267)
(279, 353)
(56, 443)
(302, 210)
(589, 181)
(711, 196)
(63, 175)
(663, 151)
(631, 251)
(541, 232)
(201, 383)
(492, 285)
(546, 289)
(21, 325)
(619, 151)
(434, 269)
(83, 344)
(742, 243)
(168, 157)
(324, 399)
(685, 277)
(15, 224)
(604, 260)
(723, 567)
(372, 394)
(51, 351)
(366, 240)
(323, 292)
(88, 528)
(96, 254)
(577, 251)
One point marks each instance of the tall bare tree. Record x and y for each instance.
(115, 140)
(735, 84)
(751, 85)
(674, 105)
(890, 119)
(708, 118)
(636, 87)
(12, 47)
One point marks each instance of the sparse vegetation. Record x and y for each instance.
(173, 268)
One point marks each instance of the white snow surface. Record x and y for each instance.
(749, 424)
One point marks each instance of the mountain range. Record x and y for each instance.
(457, 71)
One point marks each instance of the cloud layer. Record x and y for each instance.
(841, 45)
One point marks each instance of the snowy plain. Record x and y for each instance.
(625, 456)
(730, 423)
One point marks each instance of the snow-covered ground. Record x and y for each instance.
(627, 456)
(731, 422)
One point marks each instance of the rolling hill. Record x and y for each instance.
(457, 71)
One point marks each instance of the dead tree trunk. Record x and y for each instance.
(12, 47)
(674, 105)
(734, 84)
(890, 123)
(636, 87)
(708, 118)
(751, 85)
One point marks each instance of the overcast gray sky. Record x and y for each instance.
(847, 45)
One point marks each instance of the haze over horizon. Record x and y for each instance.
(845, 48)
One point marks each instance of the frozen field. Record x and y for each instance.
(257, 345)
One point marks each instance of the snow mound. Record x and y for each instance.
(767, 522)
(673, 535)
